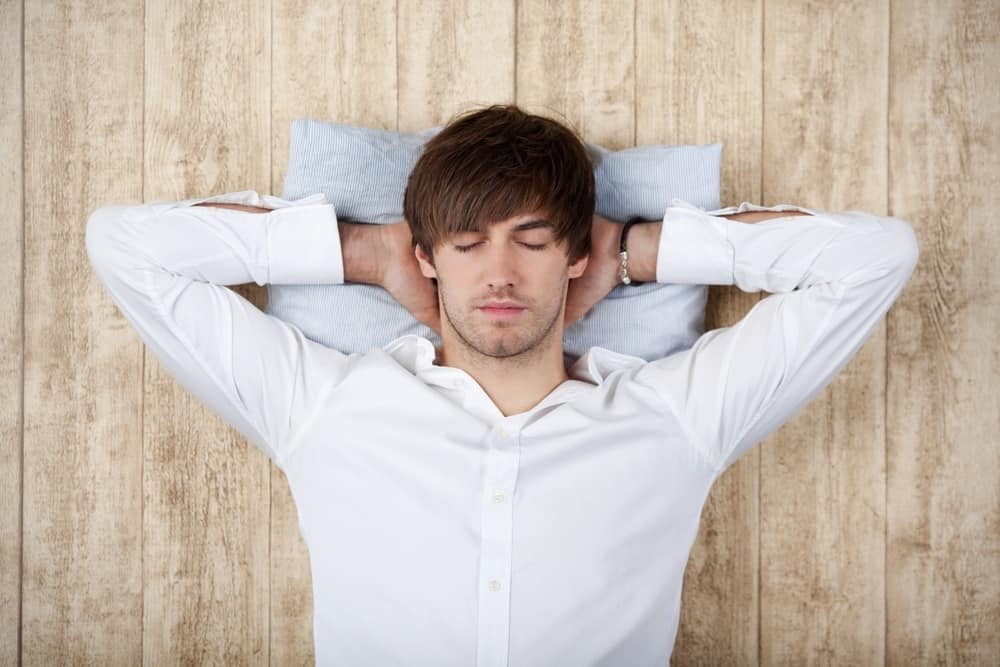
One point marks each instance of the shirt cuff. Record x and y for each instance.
(303, 246)
(693, 248)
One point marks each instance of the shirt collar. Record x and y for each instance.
(416, 354)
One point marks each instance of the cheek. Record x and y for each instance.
(555, 275)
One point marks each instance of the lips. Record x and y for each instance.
(502, 309)
(498, 305)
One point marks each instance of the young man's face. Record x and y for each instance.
(515, 260)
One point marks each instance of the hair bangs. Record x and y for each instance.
(489, 165)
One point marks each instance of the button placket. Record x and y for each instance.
(502, 459)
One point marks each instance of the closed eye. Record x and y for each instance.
(467, 248)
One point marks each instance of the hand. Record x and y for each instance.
(601, 274)
(401, 276)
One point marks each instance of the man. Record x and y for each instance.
(482, 504)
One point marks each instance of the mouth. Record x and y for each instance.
(502, 312)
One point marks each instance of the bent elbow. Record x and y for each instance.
(99, 235)
(99, 230)
(905, 244)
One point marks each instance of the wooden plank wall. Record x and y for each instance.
(136, 527)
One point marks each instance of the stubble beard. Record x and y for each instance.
(521, 341)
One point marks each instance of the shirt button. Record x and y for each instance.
(498, 498)
(494, 585)
(503, 433)
(456, 383)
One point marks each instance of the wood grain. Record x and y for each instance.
(82, 512)
(866, 531)
(206, 519)
(690, 90)
(11, 303)
(333, 62)
(575, 63)
(458, 56)
(943, 404)
(822, 533)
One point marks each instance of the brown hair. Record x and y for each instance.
(489, 164)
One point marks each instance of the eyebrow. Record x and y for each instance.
(534, 224)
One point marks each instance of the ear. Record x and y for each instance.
(577, 268)
(426, 267)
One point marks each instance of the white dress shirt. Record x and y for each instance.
(441, 532)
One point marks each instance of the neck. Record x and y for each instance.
(516, 383)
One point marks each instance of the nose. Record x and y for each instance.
(500, 265)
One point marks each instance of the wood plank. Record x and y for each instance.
(82, 522)
(943, 408)
(82, 513)
(823, 474)
(12, 303)
(575, 63)
(334, 62)
(677, 51)
(206, 520)
(455, 57)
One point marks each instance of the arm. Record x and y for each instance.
(382, 255)
(166, 264)
(832, 276)
(601, 275)
(643, 241)
(362, 245)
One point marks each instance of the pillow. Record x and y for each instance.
(363, 172)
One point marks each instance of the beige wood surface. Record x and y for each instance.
(206, 519)
(11, 304)
(576, 63)
(452, 55)
(137, 527)
(943, 375)
(677, 52)
(81, 573)
(822, 494)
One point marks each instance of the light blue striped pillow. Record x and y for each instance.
(363, 173)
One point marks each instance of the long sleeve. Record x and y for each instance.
(166, 266)
(832, 276)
